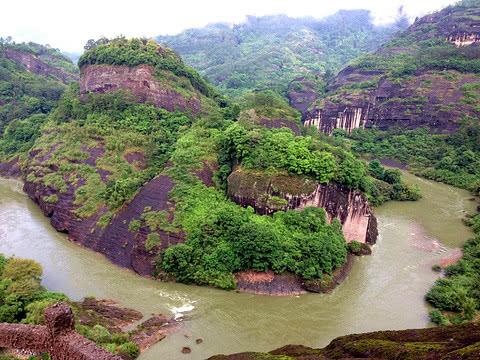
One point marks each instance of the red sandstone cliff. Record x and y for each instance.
(267, 194)
(140, 81)
(432, 93)
(37, 66)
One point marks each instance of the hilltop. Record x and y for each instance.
(428, 76)
(269, 52)
(32, 79)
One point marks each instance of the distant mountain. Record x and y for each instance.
(32, 79)
(429, 75)
(269, 52)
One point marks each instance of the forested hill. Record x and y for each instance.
(271, 51)
(32, 79)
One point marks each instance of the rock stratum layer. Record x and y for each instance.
(36, 66)
(443, 343)
(140, 81)
(420, 79)
(267, 194)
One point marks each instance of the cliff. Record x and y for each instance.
(270, 193)
(140, 81)
(38, 67)
(451, 342)
(427, 76)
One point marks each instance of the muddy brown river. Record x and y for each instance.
(383, 291)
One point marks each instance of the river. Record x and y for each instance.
(383, 291)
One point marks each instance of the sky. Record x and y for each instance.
(69, 24)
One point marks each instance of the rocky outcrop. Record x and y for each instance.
(57, 338)
(36, 66)
(269, 283)
(120, 245)
(280, 123)
(140, 81)
(429, 94)
(267, 194)
(10, 168)
(446, 342)
(429, 99)
(302, 93)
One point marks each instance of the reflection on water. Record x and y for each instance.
(384, 291)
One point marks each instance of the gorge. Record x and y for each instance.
(424, 232)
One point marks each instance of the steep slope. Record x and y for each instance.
(269, 52)
(427, 76)
(122, 172)
(32, 79)
(442, 343)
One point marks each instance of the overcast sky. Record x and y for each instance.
(69, 24)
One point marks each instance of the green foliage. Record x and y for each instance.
(268, 104)
(281, 149)
(269, 52)
(457, 296)
(133, 52)
(153, 240)
(224, 238)
(453, 159)
(23, 94)
(111, 126)
(116, 343)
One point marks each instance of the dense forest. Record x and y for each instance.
(269, 52)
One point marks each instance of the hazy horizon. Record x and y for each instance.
(51, 22)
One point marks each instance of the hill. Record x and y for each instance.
(269, 52)
(147, 164)
(426, 76)
(32, 79)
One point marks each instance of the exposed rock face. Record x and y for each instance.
(302, 92)
(37, 66)
(446, 342)
(140, 81)
(269, 283)
(428, 99)
(10, 168)
(267, 194)
(280, 123)
(115, 241)
(361, 97)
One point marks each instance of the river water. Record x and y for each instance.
(383, 291)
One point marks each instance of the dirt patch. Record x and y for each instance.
(268, 283)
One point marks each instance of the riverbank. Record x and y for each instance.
(231, 322)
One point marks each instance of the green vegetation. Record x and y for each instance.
(133, 52)
(268, 104)
(456, 297)
(109, 126)
(23, 94)
(23, 300)
(269, 52)
(105, 147)
(453, 159)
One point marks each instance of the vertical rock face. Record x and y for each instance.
(430, 91)
(267, 194)
(140, 81)
(351, 117)
(37, 66)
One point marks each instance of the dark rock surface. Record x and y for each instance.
(360, 97)
(267, 194)
(454, 342)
